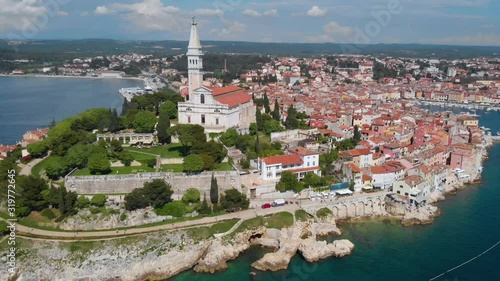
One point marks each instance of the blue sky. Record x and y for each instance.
(464, 22)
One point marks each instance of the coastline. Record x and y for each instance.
(211, 255)
(67, 76)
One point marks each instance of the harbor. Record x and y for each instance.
(151, 85)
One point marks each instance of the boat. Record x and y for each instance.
(498, 134)
(484, 128)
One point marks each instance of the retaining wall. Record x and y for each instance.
(116, 184)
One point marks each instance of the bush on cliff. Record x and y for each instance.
(176, 209)
(233, 200)
(192, 195)
(156, 193)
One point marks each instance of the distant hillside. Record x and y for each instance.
(74, 48)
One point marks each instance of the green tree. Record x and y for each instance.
(258, 119)
(144, 122)
(99, 164)
(291, 121)
(56, 167)
(192, 195)
(312, 180)
(204, 208)
(276, 111)
(30, 195)
(208, 162)
(229, 137)
(4, 228)
(158, 193)
(233, 200)
(52, 123)
(136, 200)
(357, 133)
(176, 209)
(77, 155)
(169, 108)
(214, 190)
(115, 146)
(193, 163)
(257, 145)
(162, 128)
(188, 135)
(267, 107)
(289, 181)
(82, 202)
(271, 126)
(126, 158)
(98, 200)
(38, 149)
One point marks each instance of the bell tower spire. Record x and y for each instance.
(195, 59)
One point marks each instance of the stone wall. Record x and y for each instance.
(118, 184)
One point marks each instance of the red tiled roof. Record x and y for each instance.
(302, 151)
(286, 160)
(224, 90)
(234, 99)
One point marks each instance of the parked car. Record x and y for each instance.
(266, 206)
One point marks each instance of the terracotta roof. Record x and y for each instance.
(224, 90)
(234, 99)
(286, 160)
(302, 151)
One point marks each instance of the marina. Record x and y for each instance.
(152, 84)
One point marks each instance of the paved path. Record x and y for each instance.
(26, 169)
(22, 230)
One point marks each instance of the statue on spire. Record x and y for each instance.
(194, 22)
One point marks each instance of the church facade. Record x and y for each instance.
(216, 109)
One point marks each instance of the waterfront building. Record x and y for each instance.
(299, 161)
(216, 109)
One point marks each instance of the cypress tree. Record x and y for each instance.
(257, 145)
(162, 127)
(276, 111)
(291, 120)
(266, 103)
(124, 107)
(258, 119)
(357, 133)
(214, 190)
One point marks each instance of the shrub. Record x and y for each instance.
(151, 163)
(323, 213)
(82, 202)
(98, 200)
(48, 213)
(176, 209)
(123, 216)
(192, 196)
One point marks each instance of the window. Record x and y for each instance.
(216, 121)
(189, 119)
(203, 119)
(202, 98)
(314, 163)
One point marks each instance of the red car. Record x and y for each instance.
(266, 206)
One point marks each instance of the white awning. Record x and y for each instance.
(343, 192)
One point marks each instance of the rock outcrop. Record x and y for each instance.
(313, 250)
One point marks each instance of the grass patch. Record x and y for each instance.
(119, 170)
(173, 150)
(323, 213)
(278, 220)
(81, 246)
(38, 168)
(301, 215)
(224, 167)
(200, 233)
(176, 168)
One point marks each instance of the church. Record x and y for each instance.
(216, 109)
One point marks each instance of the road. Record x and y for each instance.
(22, 230)
(26, 169)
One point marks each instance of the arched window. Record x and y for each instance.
(202, 98)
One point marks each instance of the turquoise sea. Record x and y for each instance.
(386, 251)
(469, 224)
(28, 103)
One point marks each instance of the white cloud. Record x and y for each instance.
(316, 11)
(152, 15)
(271, 13)
(103, 10)
(84, 14)
(333, 32)
(62, 13)
(480, 39)
(208, 12)
(231, 30)
(251, 13)
(254, 13)
(21, 14)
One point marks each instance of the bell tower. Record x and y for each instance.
(195, 60)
